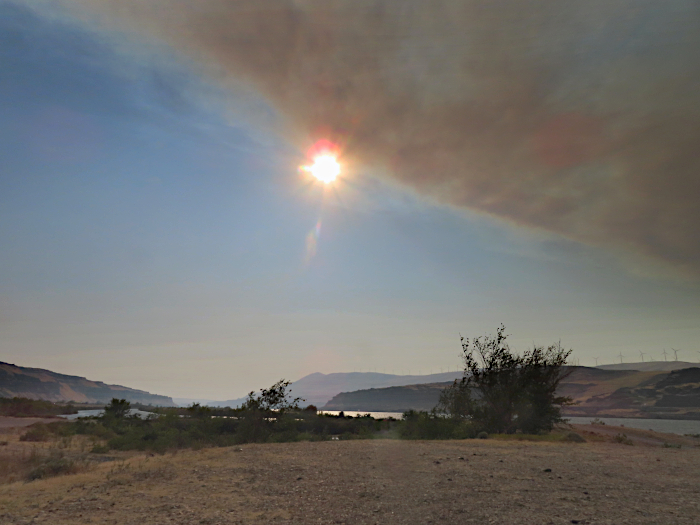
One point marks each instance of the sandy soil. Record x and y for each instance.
(378, 481)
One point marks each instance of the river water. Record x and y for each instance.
(100, 411)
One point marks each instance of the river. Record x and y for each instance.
(98, 412)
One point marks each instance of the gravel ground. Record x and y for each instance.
(377, 481)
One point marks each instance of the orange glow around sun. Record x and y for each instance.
(325, 165)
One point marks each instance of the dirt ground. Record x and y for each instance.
(377, 481)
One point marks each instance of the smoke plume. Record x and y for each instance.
(578, 118)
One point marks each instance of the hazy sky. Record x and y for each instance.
(503, 162)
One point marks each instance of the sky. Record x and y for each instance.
(502, 162)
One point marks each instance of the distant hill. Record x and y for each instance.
(391, 399)
(317, 389)
(651, 366)
(599, 393)
(36, 383)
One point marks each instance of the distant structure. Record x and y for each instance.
(665, 354)
(675, 352)
(642, 354)
(596, 359)
(620, 356)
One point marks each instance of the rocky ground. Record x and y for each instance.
(380, 481)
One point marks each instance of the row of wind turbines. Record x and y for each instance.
(642, 354)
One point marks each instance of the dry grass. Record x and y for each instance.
(27, 460)
(604, 387)
(377, 481)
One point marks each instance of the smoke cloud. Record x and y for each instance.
(578, 118)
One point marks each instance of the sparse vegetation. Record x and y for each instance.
(22, 460)
(55, 464)
(269, 416)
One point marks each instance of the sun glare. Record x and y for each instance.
(325, 168)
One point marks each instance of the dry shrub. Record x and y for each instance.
(622, 438)
(37, 432)
(55, 464)
(573, 437)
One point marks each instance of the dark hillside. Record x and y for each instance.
(36, 383)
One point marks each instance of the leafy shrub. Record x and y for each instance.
(482, 435)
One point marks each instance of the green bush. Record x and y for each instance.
(429, 425)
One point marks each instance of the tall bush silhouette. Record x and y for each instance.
(504, 392)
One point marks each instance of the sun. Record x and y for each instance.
(325, 168)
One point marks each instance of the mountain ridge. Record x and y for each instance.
(38, 383)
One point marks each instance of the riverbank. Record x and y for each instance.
(378, 481)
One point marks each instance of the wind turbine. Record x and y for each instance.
(596, 359)
(642, 354)
(620, 356)
(665, 354)
(675, 352)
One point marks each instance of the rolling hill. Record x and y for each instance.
(650, 366)
(36, 383)
(599, 393)
(317, 389)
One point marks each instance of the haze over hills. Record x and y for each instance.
(317, 389)
(617, 393)
(37, 383)
(651, 366)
